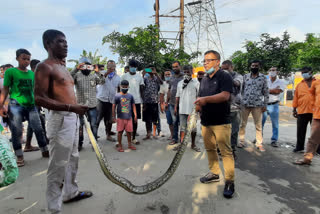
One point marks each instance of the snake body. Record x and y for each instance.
(149, 187)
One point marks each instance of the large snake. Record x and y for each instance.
(149, 187)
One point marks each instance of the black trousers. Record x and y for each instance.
(302, 124)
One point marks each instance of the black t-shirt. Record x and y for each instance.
(213, 114)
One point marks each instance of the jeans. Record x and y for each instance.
(17, 114)
(175, 120)
(273, 112)
(92, 115)
(104, 112)
(43, 124)
(168, 116)
(235, 123)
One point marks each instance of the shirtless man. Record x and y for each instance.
(54, 90)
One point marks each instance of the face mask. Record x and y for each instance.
(124, 90)
(176, 71)
(273, 73)
(210, 71)
(167, 79)
(103, 72)
(147, 75)
(306, 75)
(133, 70)
(85, 72)
(254, 70)
(187, 78)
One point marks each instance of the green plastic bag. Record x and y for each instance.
(9, 172)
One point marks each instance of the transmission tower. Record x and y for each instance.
(201, 28)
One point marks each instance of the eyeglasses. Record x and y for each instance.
(208, 60)
(86, 67)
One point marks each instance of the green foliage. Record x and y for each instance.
(94, 57)
(143, 45)
(280, 52)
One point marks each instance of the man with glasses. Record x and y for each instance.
(276, 87)
(105, 96)
(214, 105)
(85, 82)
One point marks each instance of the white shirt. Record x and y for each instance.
(135, 81)
(164, 88)
(188, 96)
(108, 90)
(277, 84)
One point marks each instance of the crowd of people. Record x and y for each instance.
(223, 98)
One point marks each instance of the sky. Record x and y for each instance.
(86, 22)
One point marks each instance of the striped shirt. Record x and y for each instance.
(86, 87)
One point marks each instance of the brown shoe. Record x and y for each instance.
(302, 162)
(45, 154)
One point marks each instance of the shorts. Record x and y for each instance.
(138, 109)
(150, 113)
(123, 124)
(184, 123)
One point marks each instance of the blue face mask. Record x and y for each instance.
(147, 75)
(210, 71)
(167, 78)
(133, 70)
(306, 75)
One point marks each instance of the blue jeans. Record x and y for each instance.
(175, 120)
(92, 115)
(273, 112)
(18, 114)
(168, 116)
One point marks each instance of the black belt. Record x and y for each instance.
(276, 102)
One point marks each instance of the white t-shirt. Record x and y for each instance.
(164, 88)
(277, 84)
(188, 96)
(135, 81)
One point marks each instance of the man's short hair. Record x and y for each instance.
(256, 61)
(7, 66)
(124, 82)
(187, 67)
(126, 67)
(227, 62)
(34, 63)
(306, 69)
(176, 62)
(22, 51)
(133, 63)
(49, 35)
(100, 66)
(213, 52)
(111, 61)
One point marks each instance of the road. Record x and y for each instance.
(266, 183)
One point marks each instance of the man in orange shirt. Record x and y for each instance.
(314, 140)
(303, 106)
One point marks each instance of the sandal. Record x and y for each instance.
(120, 149)
(173, 143)
(302, 162)
(132, 147)
(20, 163)
(31, 149)
(195, 148)
(80, 196)
(135, 142)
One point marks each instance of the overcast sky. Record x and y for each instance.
(86, 22)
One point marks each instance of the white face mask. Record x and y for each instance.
(273, 73)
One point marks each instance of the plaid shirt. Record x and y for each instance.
(86, 87)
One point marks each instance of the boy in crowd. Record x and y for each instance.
(150, 115)
(19, 82)
(124, 102)
(187, 92)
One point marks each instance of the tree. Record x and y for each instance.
(95, 58)
(144, 45)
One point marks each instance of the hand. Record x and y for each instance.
(201, 101)
(198, 108)
(79, 109)
(114, 120)
(295, 114)
(3, 112)
(175, 111)
(166, 106)
(96, 68)
(263, 109)
(80, 65)
(162, 107)
(135, 119)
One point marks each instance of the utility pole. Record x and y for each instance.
(156, 8)
(181, 36)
